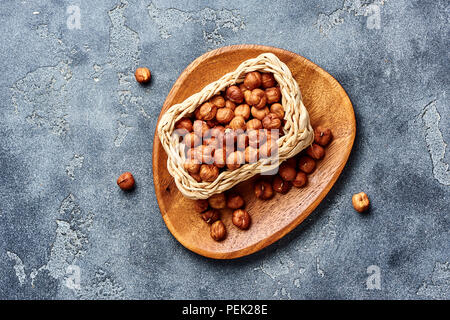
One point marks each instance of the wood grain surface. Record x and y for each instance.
(328, 105)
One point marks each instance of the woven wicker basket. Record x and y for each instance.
(298, 133)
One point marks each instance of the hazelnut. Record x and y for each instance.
(184, 123)
(256, 137)
(241, 141)
(211, 141)
(256, 98)
(207, 111)
(263, 190)
(242, 110)
(315, 151)
(235, 159)
(251, 154)
(192, 166)
(235, 201)
(268, 80)
(237, 123)
(322, 136)
(218, 201)
(220, 158)
(254, 124)
(241, 219)
(126, 181)
(273, 95)
(218, 101)
(300, 179)
(224, 115)
(306, 164)
(243, 88)
(259, 113)
(235, 94)
(204, 154)
(281, 186)
(230, 105)
(211, 216)
(268, 148)
(217, 132)
(191, 140)
(360, 202)
(252, 80)
(271, 121)
(287, 172)
(201, 205)
(229, 138)
(218, 231)
(196, 177)
(208, 172)
(278, 110)
(142, 75)
(200, 128)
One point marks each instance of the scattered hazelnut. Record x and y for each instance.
(256, 98)
(184, 123)
(218, 201)
(235, 94)
(360, 202)
(192, 166)
(218, 231)
(208, 172)
(271, 121)
(322, 136)
(235, 159)
(252, 80)
(211, 216)
(224, 115)
(259, 113)
(201, 205)
(142, 75)
(315, 151)
(126, 181)
(251, 154)
(306, 164)
(241, 219)
(278, 110)
(267, 80)
(218, 101)
(287, 172)
(200, 128)
(230, 105)
(281, 186)
(235, 201)
(273, 95)
(300, 179)
(207, 111)
(220, 157)
(242, 110)
(191, 140)
(263, 190)
(254, 124)
(237, 123)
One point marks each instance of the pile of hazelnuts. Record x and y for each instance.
(292, 172)
(237, 126)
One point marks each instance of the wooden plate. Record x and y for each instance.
(327, 104)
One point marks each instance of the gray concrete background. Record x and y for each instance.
(72, 118)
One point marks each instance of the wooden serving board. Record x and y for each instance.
(328, 105)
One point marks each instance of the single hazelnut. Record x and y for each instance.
(287, 172)
(278, 110)
(224, 115)
(322, 136)
(211, 216)
(251, 154)
(207, 111)
(315, 151)
(263, 190)
(230, 105)
(142, 75)
(254, 124)
(360, 202)
(218, 231)
(271, 121)
(218, 201)
(256, 98)
(268, 80)
(235, 201)
(235, 160)
(235, 94)
(200, 128)
(306, 164)
(273, 95)
(300, 179)
(281, 186)
(196, 177)
(237, 123)
(259, 113)
(191, 140)
(192, 166)
(126, 181)
(220, 158)
(201, 205)
(241, 219)
(242, 110)
(218, 101)
(184, 123)
(252, 80)
(209, 172)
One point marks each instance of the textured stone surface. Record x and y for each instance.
(73, 118)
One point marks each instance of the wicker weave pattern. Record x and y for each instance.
(298, 130)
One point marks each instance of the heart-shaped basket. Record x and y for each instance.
(298, 133)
